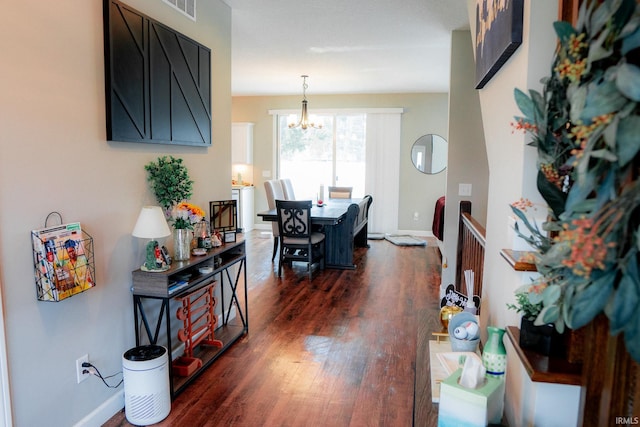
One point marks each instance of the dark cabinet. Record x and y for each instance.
(158, 81)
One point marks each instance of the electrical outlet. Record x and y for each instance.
(416, 216)
(79, 368)
(464, 189)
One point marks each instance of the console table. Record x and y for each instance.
(181, 279)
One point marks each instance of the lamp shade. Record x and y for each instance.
(151, 223)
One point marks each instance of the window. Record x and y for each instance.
(332, 155)
(354, 148)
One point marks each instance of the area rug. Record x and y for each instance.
(403, 240)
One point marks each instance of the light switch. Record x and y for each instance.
(464, 189)
(266, 174)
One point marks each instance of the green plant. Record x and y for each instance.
(528, 302)
(169, 180)
(585, 126)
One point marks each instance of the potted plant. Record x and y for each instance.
(543, 339)
(585, 125)
(170, 181)
(528, 302)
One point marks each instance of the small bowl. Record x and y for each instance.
(199, 251)
(458, 344)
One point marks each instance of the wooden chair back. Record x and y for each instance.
(294, 220)
(298, 242)
(340, 192)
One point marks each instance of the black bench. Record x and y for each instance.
(348, 234)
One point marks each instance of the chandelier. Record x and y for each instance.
(304, 120)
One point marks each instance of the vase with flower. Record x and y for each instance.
(585, 125)
(184, 216)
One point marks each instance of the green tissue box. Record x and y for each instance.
(470, 407)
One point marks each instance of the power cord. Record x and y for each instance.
(92, 370)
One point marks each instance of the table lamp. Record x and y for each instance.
(152, 225)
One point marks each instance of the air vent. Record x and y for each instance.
(187, 7)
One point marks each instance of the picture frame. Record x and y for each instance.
(229, 236)
(498, 35)
(223, 215)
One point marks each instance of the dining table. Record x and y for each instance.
(330, 215)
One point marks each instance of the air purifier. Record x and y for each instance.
(147, 398)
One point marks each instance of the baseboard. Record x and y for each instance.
(104, 412)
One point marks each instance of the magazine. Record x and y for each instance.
(62, 267)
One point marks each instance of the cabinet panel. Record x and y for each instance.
(244, 197)
(180, 106)
(158, 81)
(126, 106)
(242, 143)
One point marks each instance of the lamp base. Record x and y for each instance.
(154, 260)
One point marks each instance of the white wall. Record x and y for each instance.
(467, 152)
(54, 157)
(509, 157)
(512, 176)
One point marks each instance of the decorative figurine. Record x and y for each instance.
(154, 259)
(216, 239)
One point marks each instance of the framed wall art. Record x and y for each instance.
(224, 215)
(498, 35)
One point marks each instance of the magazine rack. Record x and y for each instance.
(63, 262)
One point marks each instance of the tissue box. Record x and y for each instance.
(470, 407)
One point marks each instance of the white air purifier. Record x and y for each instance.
(147, 398)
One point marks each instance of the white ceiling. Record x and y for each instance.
(345, 46)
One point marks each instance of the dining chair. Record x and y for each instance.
(287, 188)
(340, 192)
(298, 242)
(274, 191)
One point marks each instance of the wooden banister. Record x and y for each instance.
(470, 254)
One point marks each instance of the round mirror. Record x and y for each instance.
(429, 154)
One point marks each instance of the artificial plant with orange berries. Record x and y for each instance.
(586, 127)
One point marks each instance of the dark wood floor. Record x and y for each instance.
(348, 349)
